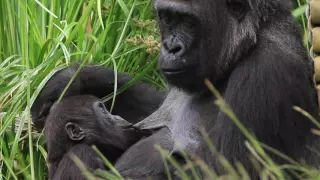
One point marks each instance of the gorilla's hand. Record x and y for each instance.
(134, 104)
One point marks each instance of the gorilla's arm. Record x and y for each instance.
(143, 160)
(262, 91)
(134, 104)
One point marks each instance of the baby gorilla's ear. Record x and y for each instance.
(74, 131)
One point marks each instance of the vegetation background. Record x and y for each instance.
(40, 37)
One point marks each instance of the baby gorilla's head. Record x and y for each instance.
(85, 120)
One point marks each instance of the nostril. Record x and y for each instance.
(176, 48)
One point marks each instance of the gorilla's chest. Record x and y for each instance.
(188, 120)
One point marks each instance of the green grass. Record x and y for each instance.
(39, 37)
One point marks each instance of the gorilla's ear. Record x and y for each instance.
(74, 131)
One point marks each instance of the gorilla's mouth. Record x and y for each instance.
(173, 71)
(172, 65)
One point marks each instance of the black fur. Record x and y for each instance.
(252, 51)
(136, 103)
(67, 170)
(258, 63)
(74, 125)
(142, 160)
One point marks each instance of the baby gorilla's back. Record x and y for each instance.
(77, 123)
(67, 169)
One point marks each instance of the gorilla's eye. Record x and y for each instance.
(165, 18)
(103, 108)
(237, 8)
(189, 21)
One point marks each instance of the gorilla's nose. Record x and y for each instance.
(173, 47)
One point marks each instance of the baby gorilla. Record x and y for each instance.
(77, 123)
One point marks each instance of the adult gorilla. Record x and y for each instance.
(253, 53)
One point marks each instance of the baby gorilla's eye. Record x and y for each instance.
(103, 108)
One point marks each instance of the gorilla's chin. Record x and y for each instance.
(185, 79)
(181, 72)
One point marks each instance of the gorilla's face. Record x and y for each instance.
(85, 120)
(202, 38)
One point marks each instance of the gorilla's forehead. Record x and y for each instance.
(74, 107)
(184, 5)
(180, 6)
